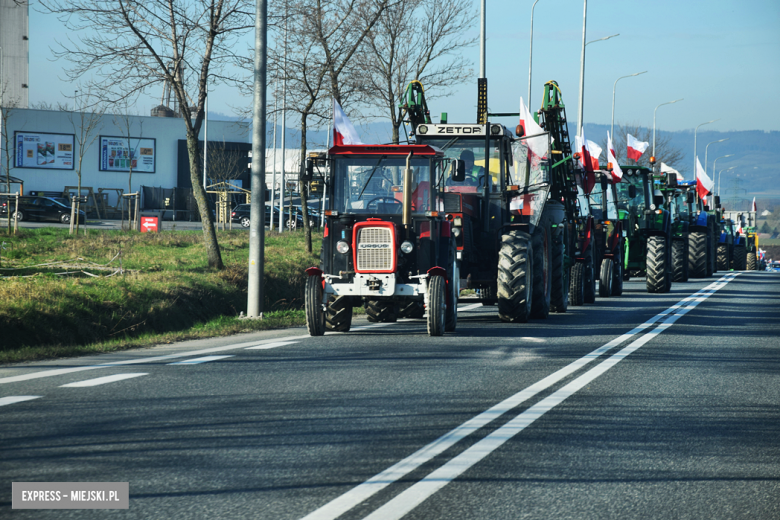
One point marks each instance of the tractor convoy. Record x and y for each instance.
(512, 215)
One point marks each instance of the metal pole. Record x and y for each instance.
(706, 149)
(727, 169)
(654, 111)
(284, 122)
(582, 68)
(482, 42)
(2, 141)
(206, 137)
(694, 144)
(612, 127)
(257, 183)
(273, 176)
(531, 55)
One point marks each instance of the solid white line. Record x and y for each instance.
(197, 361)
(17, 399)
(271, 345)
(102, 380)
(416, 494)
(470, 307)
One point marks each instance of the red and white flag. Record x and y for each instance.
(617, 173)
(636, 148)
(754, 207)
(704, 184)
(537, 145)
(343, 131)
(582, 146)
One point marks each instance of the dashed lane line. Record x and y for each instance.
(200, 360)
(11, 399)
(102, 380)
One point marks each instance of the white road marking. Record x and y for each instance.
(271, 345)
(102, 380)
(11, 399)
(362, 492)
(470, 307)
(197, 361)
(416, 494)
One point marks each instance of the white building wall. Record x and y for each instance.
(166, 131)
(14, 34)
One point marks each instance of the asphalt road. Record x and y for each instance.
(641, 406)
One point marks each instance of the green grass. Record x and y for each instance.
(166, 293)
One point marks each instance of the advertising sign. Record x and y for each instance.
(44, 150)
(119, 154)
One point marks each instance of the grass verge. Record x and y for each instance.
(62, 295)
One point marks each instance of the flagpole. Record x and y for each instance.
(582, 68)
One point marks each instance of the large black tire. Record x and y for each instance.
(589, 274)
(413, 309)
(657, 268)
(617, 274)
(540, 301)
(451, 317)
(515, 268)
(606, 278)
(437, 305)
(723, 257)
(697, 255)
(559, 283)
(19, 215)
(315, 314)
(679, 261)
(714, 236)
(739, 258)
(381, 311)
(338, 314)
(752, 264)
(577, 284)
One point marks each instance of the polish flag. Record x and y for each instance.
(704, 184)
(636, 148)
(617, 173)
(754, 207)
(586, 162)
(343, 131)
(538, 145)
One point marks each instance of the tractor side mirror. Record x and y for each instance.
(604, 182)
(631, 191)
(706, 208)
(309, 171)
(459, 170)
(689, 200)
(717, 201)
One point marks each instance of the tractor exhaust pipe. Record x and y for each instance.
(407, 209)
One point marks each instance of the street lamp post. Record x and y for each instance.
(654, 111)
(706, 149)
(582, 66)
(612, 127)
(694, 143)
(531, 54)
(724, 170)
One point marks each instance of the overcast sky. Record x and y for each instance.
(721, 56)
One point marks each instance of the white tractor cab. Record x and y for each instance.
(387, 244)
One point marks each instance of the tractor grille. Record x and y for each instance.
(375, 251)
(452, 203)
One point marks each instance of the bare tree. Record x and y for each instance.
(124, 121)
(85, 128)
(7, 107)
(664, 151)
(131, 45)
(416, 40)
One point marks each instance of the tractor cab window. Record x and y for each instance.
(374, 184)
(597, 203)
(625, 201)
(472, 152)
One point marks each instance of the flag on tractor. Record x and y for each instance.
(636, 148)
(617, 173)
(704, 184)
(343, 131)
(586, 162)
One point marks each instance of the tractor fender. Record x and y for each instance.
(314, 271)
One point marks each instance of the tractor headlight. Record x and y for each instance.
(652, 207)
(406, 247)
(342, 247)
(456, 231)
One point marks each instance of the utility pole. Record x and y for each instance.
(257, 204)
(284, 123)
(582, 68)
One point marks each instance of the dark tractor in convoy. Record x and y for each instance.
(386, 243)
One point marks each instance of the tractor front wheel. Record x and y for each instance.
(657, 268)
(315, 313)
(515, 268)
(437, 305)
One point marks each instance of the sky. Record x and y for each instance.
(722, 57)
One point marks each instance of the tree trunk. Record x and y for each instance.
(199, 192)
(302, 187)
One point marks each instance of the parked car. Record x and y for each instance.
(241, 212)
(40, 208)
(774, 266)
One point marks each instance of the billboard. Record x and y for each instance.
(119, 154)
(44, 150)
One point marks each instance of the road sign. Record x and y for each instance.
(150, 224)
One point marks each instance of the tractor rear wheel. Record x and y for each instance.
(679, 261)
(589, 274)
(697, 254)
(413, 309)
(437, 305)
(381, 311)
(540, 302)
(751, 262)
(713, 236)
(617, 275)
(657, 269)
(559, 283)
(338, 314)
(453, 292)
(739, 259)
(515, 268)
(315, 314)
(606, 278)
(577, 284)
(723, 257)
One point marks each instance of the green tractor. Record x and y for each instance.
(745, 254)
(648, 226)
(703, 234)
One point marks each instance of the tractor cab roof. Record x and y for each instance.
(385, 149)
